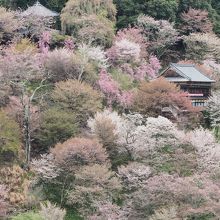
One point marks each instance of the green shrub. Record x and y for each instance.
(77, 97)
(10, 143)
(57, 126)
(201, 216)
(72, 215)
(124, 80)
(27, 216)
(179, 159)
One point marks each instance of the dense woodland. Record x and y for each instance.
(82, 129)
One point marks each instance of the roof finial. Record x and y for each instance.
(37, 2)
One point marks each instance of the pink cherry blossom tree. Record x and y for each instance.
(112, 90)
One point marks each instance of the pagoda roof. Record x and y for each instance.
(39, 10)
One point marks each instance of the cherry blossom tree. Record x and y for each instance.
(10, 138)
(159, 34)
(134, 175)
(113, 92)
(195, 21)
(148, 70)
(3, 203)
(86, 20)
(129, 45)
(92, 53)
(153, 96)
(77, 97)
(94, 184)
(104, 128)
(45, 167)
(128, 53)
(168, 190)
(69, 44)
(50, 211)
(107, 210)
(77, 152)
(136, 135)
(44, 42)
(20, 70)
(9, 24)
(212, 108)
(202, 46)
(207, 149)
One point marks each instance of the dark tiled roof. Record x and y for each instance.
(189, 72)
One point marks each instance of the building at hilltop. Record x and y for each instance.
(191, 80)
(40, 11)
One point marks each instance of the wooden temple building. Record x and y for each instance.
(191, 80)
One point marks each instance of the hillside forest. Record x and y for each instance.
(83, 134)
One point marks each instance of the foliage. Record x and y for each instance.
(127, 161)
(207, 150)
(165, 213)
(207, 5)
(128, 54)
(104, 128)
(162, 9)
(152, 69)
(94, 184)
(107, 210)
(212, 108)
(134, 175)
(9, 24)
(144, 141)
(112, 91)
(202, 46)
(79, 16)
(111, 130)
(153, 96)
(59, 63)
(127, 51)
(160, 34)
(51, 212)
(95, 54)
(76, 152)
(212, 69)
(125, 81)
(3, 203)
(25, 44)
(129, 10)
(128, 42)
(109, 87)
(16, 182)
(20, 66)
(10, 139)
(15, 110)
(56, 125)
(77, 97)
(34, 26)
(77, 8)
(45, 167)
(156, 141)
(4, 94)
(27, 216)
(193, 194)
(63, 64)
(195, 21)
(94, 29)
(116, 124)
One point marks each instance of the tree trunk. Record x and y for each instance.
(27, 134)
